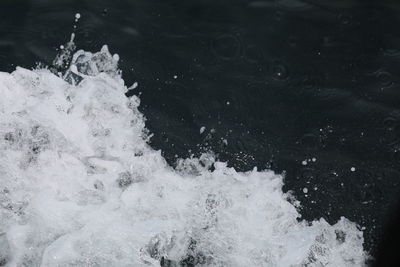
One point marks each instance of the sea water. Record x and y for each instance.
(80, 186)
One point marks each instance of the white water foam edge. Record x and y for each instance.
(80, 186)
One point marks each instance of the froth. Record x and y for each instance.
(80, 186)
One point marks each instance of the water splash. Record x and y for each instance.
(80, 186)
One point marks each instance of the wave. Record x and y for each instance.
(80, 186)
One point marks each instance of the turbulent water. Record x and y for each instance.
(80, 186)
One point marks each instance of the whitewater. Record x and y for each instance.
(80, 186)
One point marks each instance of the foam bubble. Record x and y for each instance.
(80, 186)
(77, 17)
(134, 86)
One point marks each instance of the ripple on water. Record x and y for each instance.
(279, 70)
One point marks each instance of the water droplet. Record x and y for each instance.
(279, 70)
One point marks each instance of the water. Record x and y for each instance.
(276, 84)
(81, 187)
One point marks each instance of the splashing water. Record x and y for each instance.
(80, 186)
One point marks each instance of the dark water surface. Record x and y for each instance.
(275, 83)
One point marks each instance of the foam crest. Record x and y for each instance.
(80, 186)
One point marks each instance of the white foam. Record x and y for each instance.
(80, 186)
(77, 17)
(133, 86)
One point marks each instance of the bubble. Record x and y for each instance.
(77, 17)
(116, 57)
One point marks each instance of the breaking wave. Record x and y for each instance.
(80, 186)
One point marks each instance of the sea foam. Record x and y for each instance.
(80, 186)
